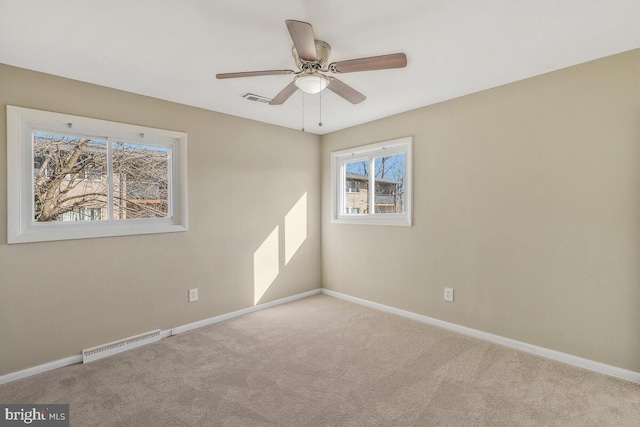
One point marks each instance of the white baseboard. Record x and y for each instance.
(591, 365)
(242, 312)
(14, 376)
(40, 369)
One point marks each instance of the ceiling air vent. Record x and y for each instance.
(256, 98)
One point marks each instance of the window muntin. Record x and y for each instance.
(385, 168)
(65, 182)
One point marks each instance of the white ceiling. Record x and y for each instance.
(172, 49)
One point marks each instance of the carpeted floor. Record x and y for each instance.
(322, 361)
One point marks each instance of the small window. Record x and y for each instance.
(73, 177)
(372, 184)
(353, 184)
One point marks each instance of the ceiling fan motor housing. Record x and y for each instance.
(323, 50)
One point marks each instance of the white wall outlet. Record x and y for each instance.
(448, 294)
(193, 295)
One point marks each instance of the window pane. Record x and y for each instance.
(140, 181)
(69, 178)
(356, 185)
(389, 182)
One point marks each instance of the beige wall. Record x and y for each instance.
(57, 298)
(526, 202)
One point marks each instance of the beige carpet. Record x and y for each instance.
(326, 362)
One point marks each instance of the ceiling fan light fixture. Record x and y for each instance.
(312, 83)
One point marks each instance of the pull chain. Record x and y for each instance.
(303, 112)
(320, 122)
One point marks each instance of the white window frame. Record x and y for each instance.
(338, 179)
(21, 227)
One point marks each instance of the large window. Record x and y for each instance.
(372, 184)
(73, 177)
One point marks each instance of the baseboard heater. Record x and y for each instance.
(95, 353)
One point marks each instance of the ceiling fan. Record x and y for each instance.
(312, 60)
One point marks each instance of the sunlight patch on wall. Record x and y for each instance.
(265, 265)
(266, 259)
(295, 228)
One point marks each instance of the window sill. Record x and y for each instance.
(399, 222)
(86, 230)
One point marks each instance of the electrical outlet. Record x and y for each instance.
(448, 294)
(193, 295)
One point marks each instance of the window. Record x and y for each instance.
(353, 186)
(72, 177)
(386, 169)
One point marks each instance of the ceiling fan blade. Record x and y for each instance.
(303, 39)
(383, 62)
(253, 74)
(345, 91)
(284, 94)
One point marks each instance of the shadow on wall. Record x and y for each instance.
(266, 259)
